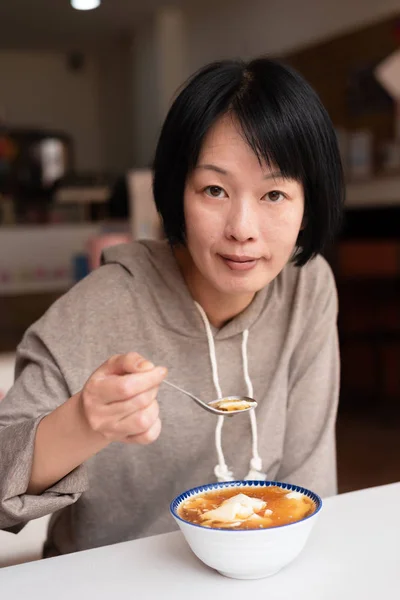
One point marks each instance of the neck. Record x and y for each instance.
(219, 307)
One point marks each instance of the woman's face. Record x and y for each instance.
(242, 217)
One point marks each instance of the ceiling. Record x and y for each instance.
(44, 23)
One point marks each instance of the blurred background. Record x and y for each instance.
(82, 96)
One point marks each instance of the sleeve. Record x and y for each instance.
(309, 456)
(38, 389)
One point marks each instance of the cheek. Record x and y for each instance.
(202, 229)
(200, 238)
(285, 228)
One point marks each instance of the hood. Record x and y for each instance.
(157, 281)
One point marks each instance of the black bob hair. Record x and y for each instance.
(283, 121)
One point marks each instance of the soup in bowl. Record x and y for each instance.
(246, 529)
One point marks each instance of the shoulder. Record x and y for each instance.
(85, 308)
(317, 272)
(98, 289)
(122, 265)
(317, 276)
(312, 287)
(107, 293)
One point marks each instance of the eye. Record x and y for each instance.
(275, 196)
(214, 191)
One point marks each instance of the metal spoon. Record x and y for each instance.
(248, 403)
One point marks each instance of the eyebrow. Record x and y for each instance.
(209, 167)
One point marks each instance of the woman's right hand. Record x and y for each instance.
(119, 401)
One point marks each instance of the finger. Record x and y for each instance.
(139, 422)
(121, 364)
(123, 387)
(121, 409)
(148, 437)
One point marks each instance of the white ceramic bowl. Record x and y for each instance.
(252, 553)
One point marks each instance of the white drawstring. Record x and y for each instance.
(221, 470)
(255, 472)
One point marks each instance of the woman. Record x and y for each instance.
(248, 182)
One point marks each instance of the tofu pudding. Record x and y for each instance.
(246, 508)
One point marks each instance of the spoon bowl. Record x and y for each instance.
(228, 406)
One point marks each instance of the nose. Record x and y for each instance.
(242, 222)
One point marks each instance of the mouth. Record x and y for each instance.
(239, 262)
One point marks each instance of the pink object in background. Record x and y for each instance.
(5, 276)
(60, 273)
(97, 244)
(41, 273)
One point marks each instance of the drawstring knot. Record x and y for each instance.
(255, 473)
(222, 473)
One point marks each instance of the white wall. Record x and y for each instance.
(37, 89)
(239, 28)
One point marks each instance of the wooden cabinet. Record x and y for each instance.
(17, 313)
(368, 280)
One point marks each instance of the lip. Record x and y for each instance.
(238, 258)
(239, 263)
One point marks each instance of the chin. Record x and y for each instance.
(241, 287)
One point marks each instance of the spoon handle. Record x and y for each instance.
(197, 400)
(184, 392)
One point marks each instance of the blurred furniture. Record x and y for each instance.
(368, 279)
(84, 196)
(38, 259)
(378, 195)
(338, 561)
(31, 162)
(18, 312)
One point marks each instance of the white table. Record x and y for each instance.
(353, 553)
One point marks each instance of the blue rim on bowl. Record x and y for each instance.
(176, 502)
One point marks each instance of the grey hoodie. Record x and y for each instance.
(282, 348)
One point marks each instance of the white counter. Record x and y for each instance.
(39, 258)
(353, 554)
